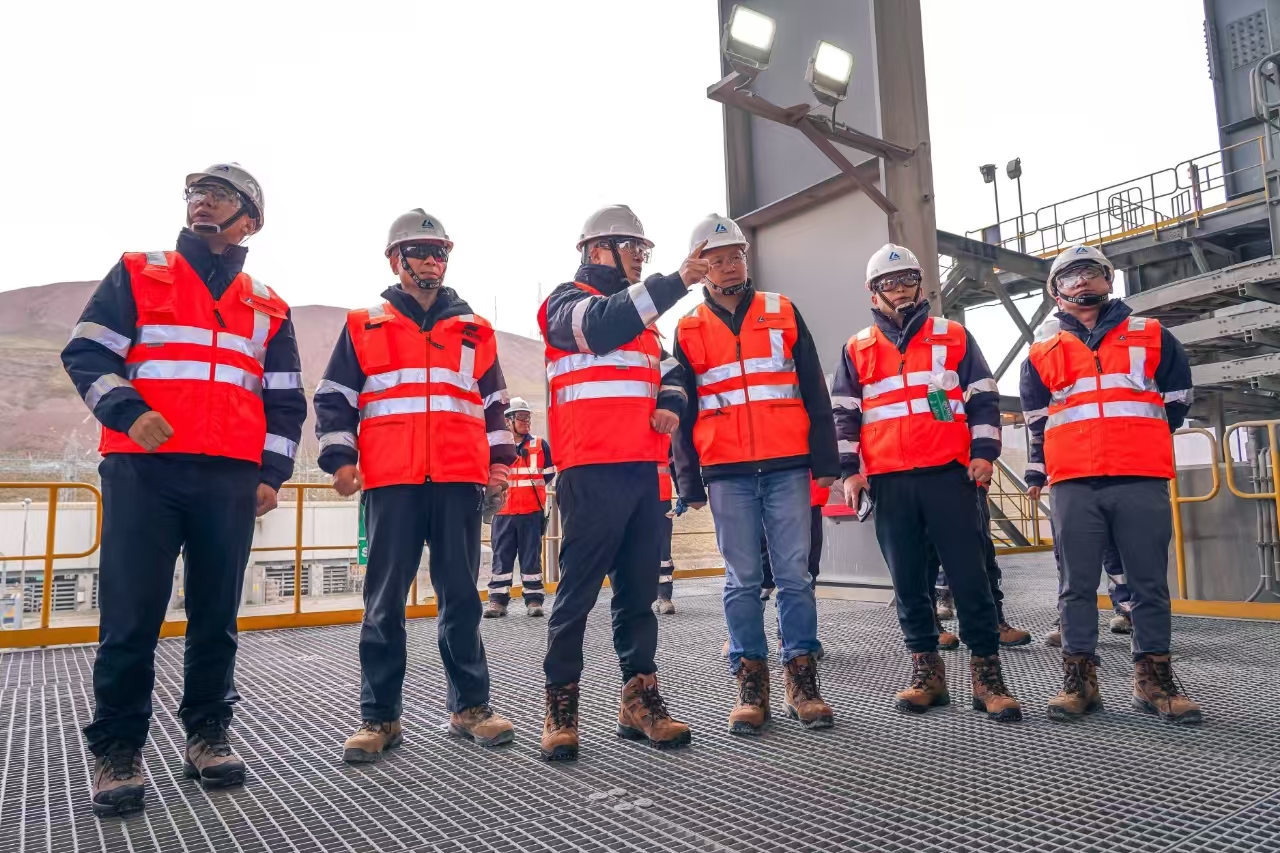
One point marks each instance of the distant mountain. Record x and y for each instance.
(41, 414)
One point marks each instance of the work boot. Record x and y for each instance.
(665, 607)
(946, 607)
(1121, 624)
(642, 715)
(480, 724)
(1079, 694)
(989, 693)
(209, 758)
(119, 787)
(765, 593)
(946, 640)
(494, 609)
(532, 608)
(560, 727)
(1011, 636)
(928, 685)
(724, 650)
(1053, 639)
(751, 714)
(370, 741)
(1157, 691)
(804, 702)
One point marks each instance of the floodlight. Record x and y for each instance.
(748, 39)
(988, 173)
(1014, 169)
(830, 70)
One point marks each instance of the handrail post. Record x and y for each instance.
(297, 553)
(46, 593)
(1179, 546)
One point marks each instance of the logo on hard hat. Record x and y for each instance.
(1083, 250)
(222, 167)
(894, 256)
(720, 229)
(427, 223)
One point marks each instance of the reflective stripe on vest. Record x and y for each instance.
(527, 484)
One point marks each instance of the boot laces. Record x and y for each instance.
(653, 702)
(371, 726)
(921, 670)
(753, 687)
(562, 707)
(805, 676)
(1170, 684)
(1074, 677)
(214, 734)
(122, 762)
(480, 712)
(990, 677)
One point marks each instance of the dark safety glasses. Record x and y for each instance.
(422, 251)
(895, 280)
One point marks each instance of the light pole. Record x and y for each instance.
(989, 177)
(1014, 170)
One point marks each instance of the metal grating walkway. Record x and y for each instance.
(880, 781)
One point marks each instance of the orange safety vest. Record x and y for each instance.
(527, 492)
(421, 414)
(899, 431)
(198, 362)
(1106, 414)
(599, 405)
(665, 473)
(749, 405)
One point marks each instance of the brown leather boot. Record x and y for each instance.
(209, 758)
(1157, 691)
(119, 787)
(947, 641)
(480, 724)
(1079, 695)
(371, 740)
(642, 715)
(560, 726)
(1010, 636)
(804, 702)
(494, 609)
(1053, 639)
(989, 693)
(751, 715)
(1121, 624)
(928, 685)
(666, 607)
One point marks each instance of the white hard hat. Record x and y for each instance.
(517, 404)
(891, 258)
(616, 220)
(1077, 254)
(416, 226)
(718, 231)
(238, 178)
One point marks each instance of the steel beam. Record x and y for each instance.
(1046, 305)
(993, 282)
(809, 197)
(1258, 280)
(955, 246)
(1259, 317)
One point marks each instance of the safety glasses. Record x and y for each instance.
(1076, 277)
(214, 193)
(895, 280)
(422, 251)
(731, 261)
(635, 248)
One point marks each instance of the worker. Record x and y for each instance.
(411, 411)
(518, 525)
(914, 395)
(191, 367)
(757, 423)
(1102, 395)
(818, 498)
(667, 567)
(1117, 589)
(613, 398)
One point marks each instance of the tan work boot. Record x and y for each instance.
(751, 714)
(371, 740)
(989, 693)
(946, 607)
(119, 787)
(493, 609)
(928, 685)
(1053, 639)
(1121, 624)
(642, 715)
(208, 757)
(1079, 694)
(1157, 691)
(947, 641)
(666, 607)
(1010, 636)
(804, 701)
(532, 608)
(560, 727)
(480, 724)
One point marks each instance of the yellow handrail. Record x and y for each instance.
(50, 537)
(1177, 500)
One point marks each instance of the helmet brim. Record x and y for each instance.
(615, 236)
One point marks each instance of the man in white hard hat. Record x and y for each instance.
(411, 411)
(757, 424)
(918, 417)
(1103, 391)
(192, 369)
(517, 527)
(613, 400)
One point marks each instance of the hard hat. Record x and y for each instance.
(617, 221)
(718, 231)
(238, 178)
(1078, 254)
(416, 226)
(891, 258)
(517, 404)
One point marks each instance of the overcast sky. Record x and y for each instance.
(511, 121)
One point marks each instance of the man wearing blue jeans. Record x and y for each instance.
(761, 422)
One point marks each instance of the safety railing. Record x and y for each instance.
(1008, 493)
(51, 555)
(1177, 500)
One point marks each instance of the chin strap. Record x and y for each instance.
(208, 228)
(733, 290)
(1084, 300)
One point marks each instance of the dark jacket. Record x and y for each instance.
(1173, 378)
(822, 459)
(112, 306)
(982, 397)
(336, 398)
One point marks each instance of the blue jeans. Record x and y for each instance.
(776, 506)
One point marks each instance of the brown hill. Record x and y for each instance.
(41, 415)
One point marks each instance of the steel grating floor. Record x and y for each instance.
(879, 781)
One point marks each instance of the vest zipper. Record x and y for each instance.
(427, 407)
(218, 316)
(1097, 363)
(746, 394)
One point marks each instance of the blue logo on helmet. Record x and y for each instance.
(894, 256)
(427, 223)
(1082, 250)
(221, 167)
(720, 229)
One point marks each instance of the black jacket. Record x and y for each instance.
(981, 403)
(1173, 378)
(111, 306)
(822, 459)
(336, 398)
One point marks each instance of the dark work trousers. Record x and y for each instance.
(512, 535)
(815, 551)
(446, 516)
(994, 576)
(612, 523)
(666, 567)
(938, 506)
(153, 507)
(1132, 512)
(1117, 584)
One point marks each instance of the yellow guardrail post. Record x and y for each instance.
(1177, 500)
